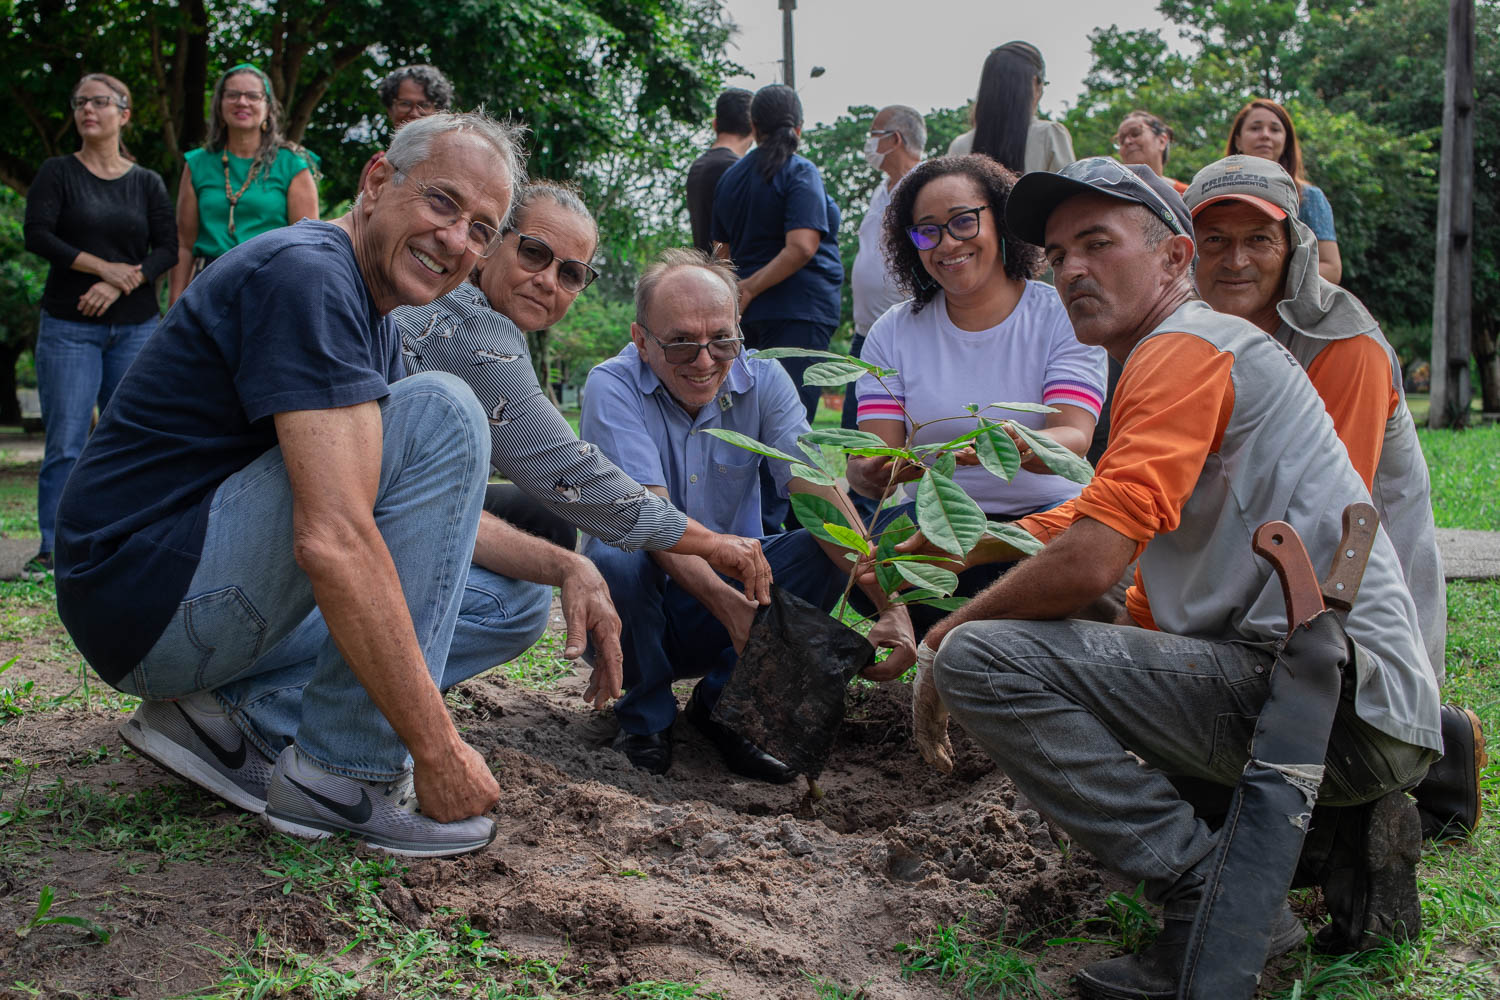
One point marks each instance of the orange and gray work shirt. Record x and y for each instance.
(1216, 431)
(1359, 378)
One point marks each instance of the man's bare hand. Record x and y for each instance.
(742, 559)
(588, 611)
(456, 787)
(928, 715)
(737, 620)
(892, 631)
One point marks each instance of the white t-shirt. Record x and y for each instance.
(1031, 357)
(874, 289)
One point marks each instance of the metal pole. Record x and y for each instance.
(1452, 293)
(788, 68)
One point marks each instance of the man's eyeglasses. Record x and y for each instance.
(536, 256)
(961, 226)
(404, 107)
(253, 96)
(98, 102)
(443, 210)
(682, 352)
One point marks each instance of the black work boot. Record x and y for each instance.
(1448, 798)
(1150, 975)
(1369, 877)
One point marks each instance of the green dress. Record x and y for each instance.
(261, 208)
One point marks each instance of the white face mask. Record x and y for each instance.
(873, 158)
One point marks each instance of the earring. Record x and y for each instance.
(265, 124)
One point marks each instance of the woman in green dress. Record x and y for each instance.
(246, 180)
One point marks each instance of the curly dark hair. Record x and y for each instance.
(434, 84)
(1022, 259)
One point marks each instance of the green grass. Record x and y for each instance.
(18, 497)
(974, 966)
(1465, 470)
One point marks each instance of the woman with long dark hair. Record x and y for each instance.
(104, 225)
(1264, 129)
(246, 180)
(1006, 128)
(780, 228)
(976, 330)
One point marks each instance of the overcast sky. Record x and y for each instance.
(925, 53)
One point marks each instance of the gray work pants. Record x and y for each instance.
(1061, 706)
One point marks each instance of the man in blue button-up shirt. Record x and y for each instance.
(682, 373)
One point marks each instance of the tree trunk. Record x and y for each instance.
(1487, 353)
(540, 344)
(10, 406)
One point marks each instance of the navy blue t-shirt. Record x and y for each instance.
(753, 216)
(282, 322)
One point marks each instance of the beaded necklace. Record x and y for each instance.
(234, 196)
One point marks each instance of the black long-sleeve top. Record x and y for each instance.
(127, 220)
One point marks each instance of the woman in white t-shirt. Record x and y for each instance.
(976, 330)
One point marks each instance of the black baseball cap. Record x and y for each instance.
(1038, 193)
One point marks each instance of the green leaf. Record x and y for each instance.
(802, 352)
(877, 452)
(1053, 455)
(963, 438)
(898, 531)
(833, 373)
(998, 453)
(944, 465)
(931, 599)
(843, 437)
(848, 538)
(946, 515)
(920, 558)
(1022, 541)
(814, 512)
(815, 476)
(748, 443)
(1024, 407)
(927, 576)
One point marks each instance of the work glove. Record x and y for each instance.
(928, 715)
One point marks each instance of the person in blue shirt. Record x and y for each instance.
(780, 228)
(684, 372)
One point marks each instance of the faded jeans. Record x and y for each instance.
(78, 365)
(1062, 705)
(249, 594)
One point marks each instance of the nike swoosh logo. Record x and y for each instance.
(232, 759)
(357, 813)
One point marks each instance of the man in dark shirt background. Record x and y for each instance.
(731, 141)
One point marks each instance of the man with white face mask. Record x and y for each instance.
(895, 143)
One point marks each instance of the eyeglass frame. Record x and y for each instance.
(1155, 128)
(77, 102)
(945, 227)
(553, 258)
(422, 191)
(253, 96)
(738, 342)
(426, 107)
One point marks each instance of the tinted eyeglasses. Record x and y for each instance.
(443, 210)
(961, 226)
(682, 352)
(536, 256)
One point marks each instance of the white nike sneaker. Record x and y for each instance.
(195, 740)
(306, 801)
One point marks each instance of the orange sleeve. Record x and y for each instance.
(1170, 409)
(1048, 524)
(1354, 378)
(1138, 604)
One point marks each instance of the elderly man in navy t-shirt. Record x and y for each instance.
(256, 463)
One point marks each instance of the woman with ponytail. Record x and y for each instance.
(775, 221)
(246, 180)
(104, 224)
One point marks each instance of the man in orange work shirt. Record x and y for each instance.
(1258, 261)
(1215, 432)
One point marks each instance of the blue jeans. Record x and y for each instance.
(248, 594)
(1063, 707)
(78, 366)
(668, 635)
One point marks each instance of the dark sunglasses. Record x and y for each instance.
(683, 352)
(536, 256)
(961, 226)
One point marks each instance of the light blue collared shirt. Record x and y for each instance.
(639, 426)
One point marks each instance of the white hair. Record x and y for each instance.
(412, 143)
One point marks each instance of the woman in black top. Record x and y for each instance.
(105, 225)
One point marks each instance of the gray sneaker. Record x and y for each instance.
(193, 738)
(306, 801)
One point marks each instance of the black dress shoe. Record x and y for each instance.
(740, 755)
(648, 751)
